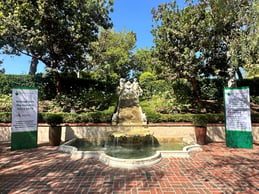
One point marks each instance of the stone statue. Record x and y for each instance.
(121, 87)
(136, 88)
(128, 97)
(127, 90)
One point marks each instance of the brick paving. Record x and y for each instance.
(216, 169)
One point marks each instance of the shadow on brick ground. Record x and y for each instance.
(45, 170)
(230, 169)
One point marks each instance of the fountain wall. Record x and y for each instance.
(215, 132)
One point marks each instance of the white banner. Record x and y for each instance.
(237, 109)
(24, 109)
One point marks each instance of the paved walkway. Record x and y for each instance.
(216, 169)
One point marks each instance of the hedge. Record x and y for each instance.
(93, 117)
(5, 117)
(105, 117)
(46, 84)
(160, 118)
(210, 89)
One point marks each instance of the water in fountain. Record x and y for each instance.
(131, 144)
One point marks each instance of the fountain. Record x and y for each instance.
(130, 144)
(128, 110)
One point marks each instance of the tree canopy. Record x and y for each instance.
(58, 33)
(145, 61)
(204, 39)
(250, 45)
(178, 37)
(113, 52)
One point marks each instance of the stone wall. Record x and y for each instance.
(215, 132)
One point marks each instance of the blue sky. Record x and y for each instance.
(129, 15)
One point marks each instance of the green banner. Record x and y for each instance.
(238, 118)
(24, 118)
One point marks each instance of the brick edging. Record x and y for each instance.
(108, 124)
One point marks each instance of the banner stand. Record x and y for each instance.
(24, 118)
(238, 118)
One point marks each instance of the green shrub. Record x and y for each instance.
(216, 118)
(91, 117)
(45, 84)
(100, 117)
(165, 103)
(70, 83)
(182, 91)
(84, 101)
(5, 103)
(200, 120)
(105, 117)
(72, 118)
(176, 117)
(255, 99)
(252, 83)
(146, 78)
(5, 117)
(152, 116)
(145, 81)
(211, 89)
(54, 118)
(255, 118)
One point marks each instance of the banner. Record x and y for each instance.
(24, 118)
(238, 118)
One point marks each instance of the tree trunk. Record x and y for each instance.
(33, 66)
(195, 91)
(58, 83)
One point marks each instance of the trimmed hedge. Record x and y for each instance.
(160, 118)
(93, 117)
(46, 84)
(105, 117)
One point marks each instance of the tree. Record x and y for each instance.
(145, 61)
(204, 39)
(57, 33)
(230, 23)
(250, 45)
(178, 35)
(112, 53)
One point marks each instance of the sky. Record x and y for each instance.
(129, 15)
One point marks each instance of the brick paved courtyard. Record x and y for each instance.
(216, 169)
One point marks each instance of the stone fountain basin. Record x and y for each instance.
(127, 163)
